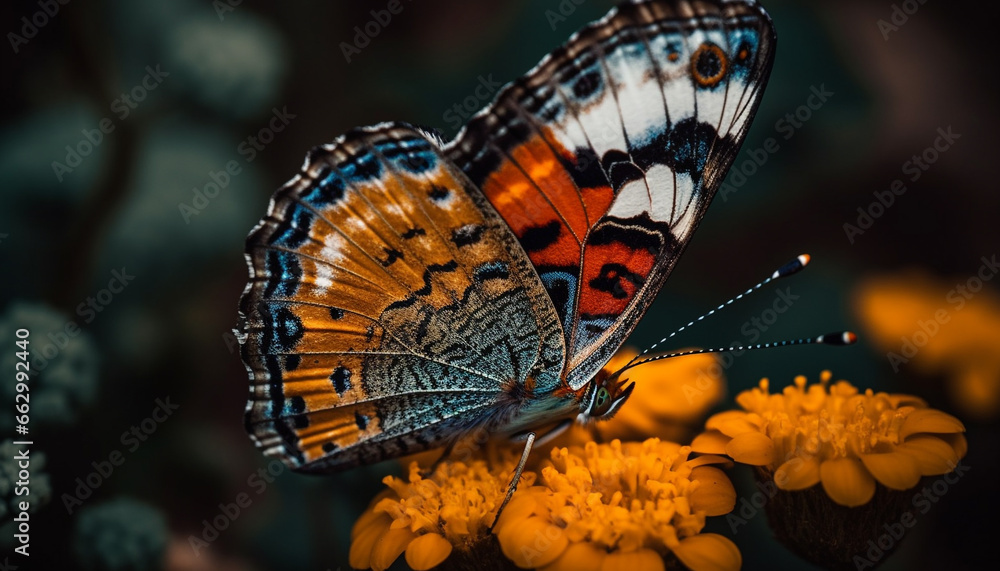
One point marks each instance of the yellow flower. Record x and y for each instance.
(445, 518)
(429, 518)
(620, 506)
(837, 436)
(938, 328)
(669, 398)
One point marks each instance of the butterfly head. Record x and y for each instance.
(607, 393)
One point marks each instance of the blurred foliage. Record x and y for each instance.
(121, 535)
(227, 72)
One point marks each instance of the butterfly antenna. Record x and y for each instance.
(786, 270)
(837, 338)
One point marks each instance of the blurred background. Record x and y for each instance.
(140, 142)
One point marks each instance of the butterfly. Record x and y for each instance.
(406, 290)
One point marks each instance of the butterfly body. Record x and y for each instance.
(405, 292)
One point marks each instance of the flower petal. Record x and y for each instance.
(731, 423)
(929, 420)
(584, 556)
(389, 547)
(797, 474)
(532, 542)
(360, 555)
(711, 442)
(428, 550)
(715, 494)
(895, 470)
(957, 442)
(709, 459)
(709, 552)
(751, 448)
(520, 507)
(368, 518)
(933, 455)
(641, 560)
(846, 481)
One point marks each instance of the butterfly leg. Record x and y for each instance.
(517, 477)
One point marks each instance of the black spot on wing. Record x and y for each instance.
(468, 235)
(391, 255)
(336, 313)
(341, 379)
(688, 144)
(414, 232)
(612, 278)
(623, 173)
(708, 63)
(538, 238)
(438, 193)
(586, 169)
(294, 409)
(361, 420)
(587, 84)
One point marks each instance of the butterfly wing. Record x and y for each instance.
(604, 157)
(389, 307)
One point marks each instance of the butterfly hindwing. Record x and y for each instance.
(604, 158)
(389, 307)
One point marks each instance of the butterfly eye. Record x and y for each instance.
(601, 404)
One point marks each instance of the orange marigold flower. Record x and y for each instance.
(938, 327)
(429, 518)
(620, 506)
(837, 436)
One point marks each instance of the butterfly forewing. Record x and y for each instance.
(388, 308)
(604, 158)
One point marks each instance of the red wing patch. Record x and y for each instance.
(604, 158)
